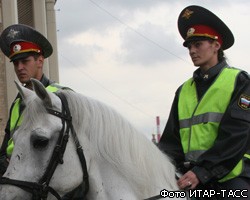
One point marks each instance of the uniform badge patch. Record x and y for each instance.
(244, 102)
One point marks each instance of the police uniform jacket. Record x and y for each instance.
(233, 139)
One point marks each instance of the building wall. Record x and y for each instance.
(3, 84)
(3, 94)
(36, 13)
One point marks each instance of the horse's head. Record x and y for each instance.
(42, 154)
(124, 164)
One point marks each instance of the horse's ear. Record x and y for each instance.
(24, 92)
(41, 92)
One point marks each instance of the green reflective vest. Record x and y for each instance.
(17, 117)
(199, 120)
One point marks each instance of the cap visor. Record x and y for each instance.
(20, 56)
(194, 39)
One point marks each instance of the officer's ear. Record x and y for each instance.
(217, 45)
(40, 60)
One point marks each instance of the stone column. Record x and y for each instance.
(8, 91)
(52, 31)
(40, 20)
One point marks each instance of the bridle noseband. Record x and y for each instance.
(41, 189)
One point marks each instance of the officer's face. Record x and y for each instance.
(29, 67)
(204, 53)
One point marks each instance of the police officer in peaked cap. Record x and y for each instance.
(26, 48)
(208, 130)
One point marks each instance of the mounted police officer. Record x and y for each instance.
(26, 48)
(208, 130)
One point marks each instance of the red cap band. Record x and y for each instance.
(23, 47)
(203, 31)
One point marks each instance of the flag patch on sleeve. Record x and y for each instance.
(244, 102)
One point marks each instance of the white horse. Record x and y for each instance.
(121, 163)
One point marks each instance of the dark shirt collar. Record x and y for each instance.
(45, 81)
(211, 73)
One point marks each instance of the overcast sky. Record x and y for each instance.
(129, 54)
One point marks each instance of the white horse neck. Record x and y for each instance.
(124, 163)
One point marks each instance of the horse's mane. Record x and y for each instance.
(113, 138)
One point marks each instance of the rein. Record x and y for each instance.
(41, 189)
(154, 197)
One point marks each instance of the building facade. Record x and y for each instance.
(39, 14)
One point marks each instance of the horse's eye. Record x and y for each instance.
(40, 143)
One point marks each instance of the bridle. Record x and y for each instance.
(40, 189)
